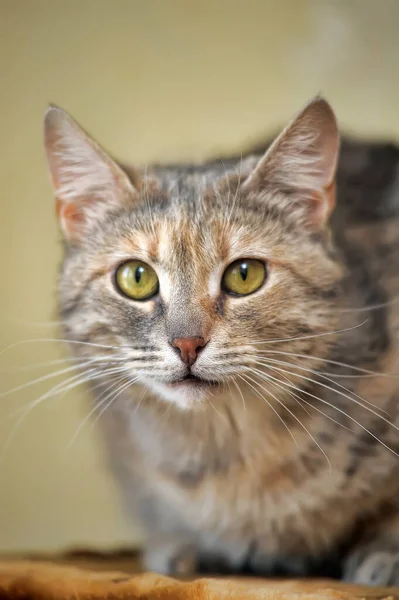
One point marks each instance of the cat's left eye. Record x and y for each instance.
(244, 276)
(137, 280)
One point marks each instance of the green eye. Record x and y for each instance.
(244, 276)
(137, 280)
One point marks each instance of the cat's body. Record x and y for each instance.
(283, 455)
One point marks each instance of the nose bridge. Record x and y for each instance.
(186, 315)
(186, 318)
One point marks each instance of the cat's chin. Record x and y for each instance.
(185, 393)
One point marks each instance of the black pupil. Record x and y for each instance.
(138, 273)
(244, 271)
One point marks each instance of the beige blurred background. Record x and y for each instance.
(151, 79)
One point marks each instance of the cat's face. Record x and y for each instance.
(181, 276)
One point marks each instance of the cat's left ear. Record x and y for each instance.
(86, 181)
(301, 163)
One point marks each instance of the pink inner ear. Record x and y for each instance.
(71, 215)
(330, 196)
(320, 206)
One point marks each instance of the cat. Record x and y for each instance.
(238, 326)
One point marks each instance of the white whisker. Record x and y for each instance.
(108, 391)
(300, 423)
(221, 415)
(277, 382)
(340, 411)
(367, 372)
(56, 340)
(323, 376)
(241, 394)
(60, 361)
(293, 395)
(117, 393)
(370, 306)
(245, 379)
(310, 336)
(354, 397)
(26, 410)
(46, 377)
(61, 387)
(68, 384)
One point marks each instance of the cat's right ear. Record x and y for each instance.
(86, 181)
(302, 164)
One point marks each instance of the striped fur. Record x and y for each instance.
(286, 461)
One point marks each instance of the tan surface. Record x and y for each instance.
(151, 79)
(102, 579)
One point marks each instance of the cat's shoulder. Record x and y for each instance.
(368, 180)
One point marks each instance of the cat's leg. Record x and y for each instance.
(169, 548)
(170, 554)
(177, 553)
(260, 563)
(375, 559)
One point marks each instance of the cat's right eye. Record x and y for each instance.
(136, 280)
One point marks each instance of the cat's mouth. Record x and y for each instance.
(193, 380)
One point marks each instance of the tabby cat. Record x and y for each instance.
(238, 327)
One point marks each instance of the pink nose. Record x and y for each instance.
(188, 348)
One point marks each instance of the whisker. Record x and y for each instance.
(367, 372)
(277, 369)
(221, 415)
(293, 395)
(117, 393)
(26, 410)
(359, 400)
(370, 306)
(46, 377)
(245, 379)
(321, 374)
(142, 396)
(76, 342)
(108, 391)
(241, 394)
(310, 336)
(59, 388)
(300, 423)
(147, 202)
(53, 391)
(269, 378)
(55, 340)
(60, 361)
(233, 205)
(79, 365)
(67, 385)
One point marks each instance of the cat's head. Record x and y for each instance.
(181, 277)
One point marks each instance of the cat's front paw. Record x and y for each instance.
(170, 555)
(373, 564)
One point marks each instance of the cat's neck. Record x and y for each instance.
(223, 432)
